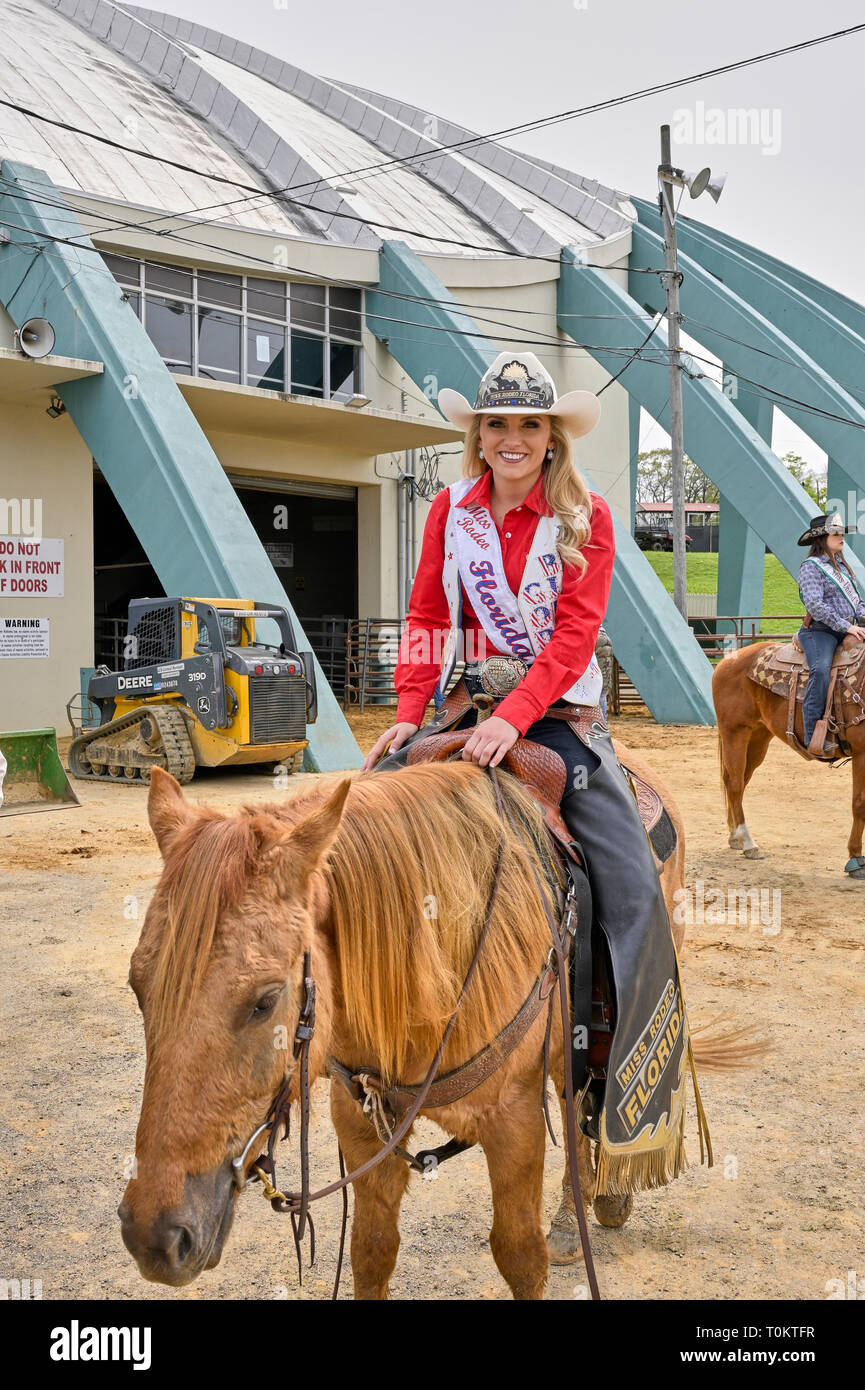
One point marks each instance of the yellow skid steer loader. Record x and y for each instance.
(205, 683)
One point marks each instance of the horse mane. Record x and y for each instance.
(405, 888)
(409, 879)
(205, 874)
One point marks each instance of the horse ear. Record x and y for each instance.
(167, 808)
(300, 851)
(313, 836)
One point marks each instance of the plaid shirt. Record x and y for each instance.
(825, 601)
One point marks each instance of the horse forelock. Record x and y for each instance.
(207, 871)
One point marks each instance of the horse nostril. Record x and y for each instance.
(178, 1246)
(184, 1246)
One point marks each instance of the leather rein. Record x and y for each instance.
(412, 1099)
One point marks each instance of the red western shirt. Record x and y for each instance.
(579, 611)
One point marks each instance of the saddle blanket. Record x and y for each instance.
(779, 662)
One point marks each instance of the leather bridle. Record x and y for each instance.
(297, 1204)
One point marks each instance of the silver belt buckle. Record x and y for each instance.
(499, 675)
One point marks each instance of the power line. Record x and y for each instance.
(40, 197)
(406, 161)
(854, 387)
(475, 310)
(592, 108)
(763, 390)
(635, 354)
(517, 338)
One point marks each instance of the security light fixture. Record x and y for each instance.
(358, 400)
(56, 408)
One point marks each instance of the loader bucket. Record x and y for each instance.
(35, 779)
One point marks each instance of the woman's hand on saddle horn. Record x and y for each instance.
(396, 735)
(490, 741)
(857, 631)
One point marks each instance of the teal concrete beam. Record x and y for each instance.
(755, 350)
(833, 334)
(717, 436)
(837, 305)
(139, 429)
(741, 552)
(845, 496)
(445, 347)
(717, 315)
(652, 641)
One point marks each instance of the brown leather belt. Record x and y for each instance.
(459, 701)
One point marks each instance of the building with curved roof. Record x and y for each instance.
(259, 278)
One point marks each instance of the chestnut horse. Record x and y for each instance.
(748, 717)
(385, 880)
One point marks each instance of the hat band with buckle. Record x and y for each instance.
(498, 675)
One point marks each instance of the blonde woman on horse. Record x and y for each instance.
(834, 610)
(515, 575)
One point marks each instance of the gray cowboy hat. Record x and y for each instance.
(517, 384)
(828, 524)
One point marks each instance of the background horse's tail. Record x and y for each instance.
(718, 1046)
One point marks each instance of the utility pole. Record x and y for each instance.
(672, 280)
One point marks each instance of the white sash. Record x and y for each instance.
(839, 577)
(520, 624)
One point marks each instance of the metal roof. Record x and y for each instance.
(52, 67)
(173, 89)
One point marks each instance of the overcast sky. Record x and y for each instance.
(796, 192)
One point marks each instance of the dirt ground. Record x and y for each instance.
(779, 1216)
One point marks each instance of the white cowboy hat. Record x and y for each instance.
(517, 384)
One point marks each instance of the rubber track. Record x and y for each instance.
(177, 754)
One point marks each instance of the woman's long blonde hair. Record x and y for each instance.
(564, 487)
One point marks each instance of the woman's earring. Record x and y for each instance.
(551, 453)
(480, 452)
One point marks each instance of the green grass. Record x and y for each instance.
(780, 591)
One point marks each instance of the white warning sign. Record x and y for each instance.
(31, 567)
(24, 637)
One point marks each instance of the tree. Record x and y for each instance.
(815, 484)
(654, 479)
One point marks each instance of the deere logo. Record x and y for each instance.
(133, 682)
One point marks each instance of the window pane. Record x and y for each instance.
(169, 327)
(216, 288)
(345, 316)
(168, 279)
(266, 297)
(218, 345)
(265, 356)
(343, 370)
(123, 268)
(135, 302)
(307, 365)
(307, 307)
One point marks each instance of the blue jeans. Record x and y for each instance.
(818, 644)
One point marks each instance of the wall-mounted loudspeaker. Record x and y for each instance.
(35, 338)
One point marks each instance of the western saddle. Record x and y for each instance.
(783, 669)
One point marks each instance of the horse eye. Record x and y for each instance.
(265, 1005)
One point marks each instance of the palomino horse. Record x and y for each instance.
(385, 881)
(748, 716)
